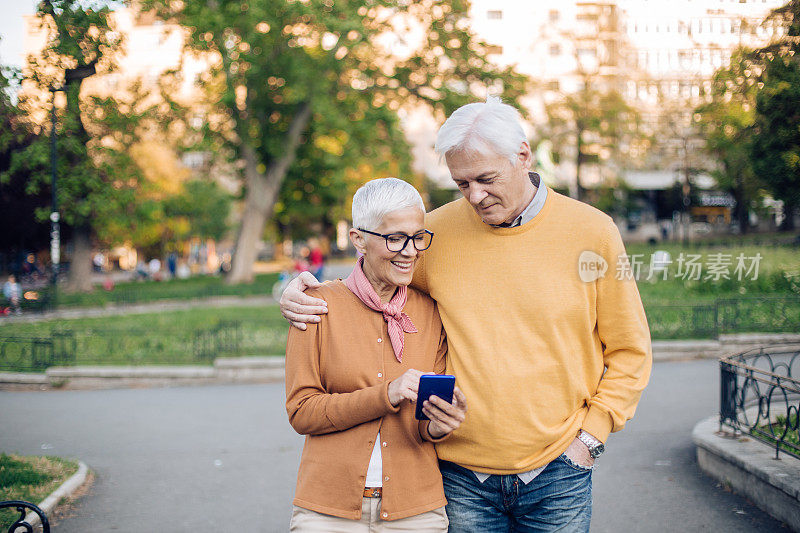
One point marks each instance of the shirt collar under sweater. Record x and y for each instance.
(533, 209)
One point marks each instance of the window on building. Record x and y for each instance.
(553, 85)
(494, 49)
(555, 49)
(494, 14)
(554, 15)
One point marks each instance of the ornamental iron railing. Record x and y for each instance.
(760, 396)
(33, 353)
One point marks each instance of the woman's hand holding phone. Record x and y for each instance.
(445, 417)
(405, 387)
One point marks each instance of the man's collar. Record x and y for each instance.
(536, 180)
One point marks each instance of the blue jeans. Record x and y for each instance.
(558, 499)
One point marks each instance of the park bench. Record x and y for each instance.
(20, 506)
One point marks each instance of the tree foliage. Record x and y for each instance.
(775, 146)
(16, 206)
(595, 127)
(726, 123)
(306, 93)
(94, 179)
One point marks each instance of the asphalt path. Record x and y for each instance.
(224, 458)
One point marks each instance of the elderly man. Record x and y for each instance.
(547, 334)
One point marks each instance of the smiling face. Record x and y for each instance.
(387, 270)
(497, 189)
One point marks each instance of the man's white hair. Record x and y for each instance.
(376, 198)
(483, 128)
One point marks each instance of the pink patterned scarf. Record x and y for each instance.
(399, 322)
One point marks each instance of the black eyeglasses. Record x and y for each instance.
(396, 242)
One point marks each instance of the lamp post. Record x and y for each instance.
(55, 231)
(71, 75)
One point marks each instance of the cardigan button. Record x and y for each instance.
(384, 444)
(380, 340)
(380, 375)
(385, 515)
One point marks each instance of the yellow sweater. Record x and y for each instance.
(528, 338)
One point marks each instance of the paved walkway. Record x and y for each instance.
(225, 458)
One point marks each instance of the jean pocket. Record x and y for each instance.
(572, 464)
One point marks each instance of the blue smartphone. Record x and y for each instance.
(440, 385)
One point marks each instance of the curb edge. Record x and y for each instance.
(64, 490)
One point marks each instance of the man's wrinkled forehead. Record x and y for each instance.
(471, 166)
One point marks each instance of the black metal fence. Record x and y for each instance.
(123, 346)
(759, 396)
(773, 314)
(27, 353)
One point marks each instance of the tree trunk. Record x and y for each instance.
(262, 191)
(788, 216)
(742, 209)
(80, 266)
(579, 195)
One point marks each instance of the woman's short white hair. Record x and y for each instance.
(483, 128)
(376, 198)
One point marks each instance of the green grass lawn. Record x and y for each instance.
(782, 425)
(177, 289)
(30, 478)
(169, 337)
(676, 309)
(778, 273)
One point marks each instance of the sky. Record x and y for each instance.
(12, 30)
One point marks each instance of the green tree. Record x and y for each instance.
(93, 179)
(322, 74)
(16, 207)
(339, 156)
(594, 126)
(201, 210)
(726, 123)
(775, 146)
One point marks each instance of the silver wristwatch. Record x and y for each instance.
(595, 446)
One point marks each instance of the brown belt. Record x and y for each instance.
(373, 492)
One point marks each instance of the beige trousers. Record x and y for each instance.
(305, 520)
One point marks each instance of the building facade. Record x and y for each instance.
(661, 55)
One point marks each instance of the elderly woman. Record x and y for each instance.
(352, 379)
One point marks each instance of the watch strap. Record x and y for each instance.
(592, 443)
